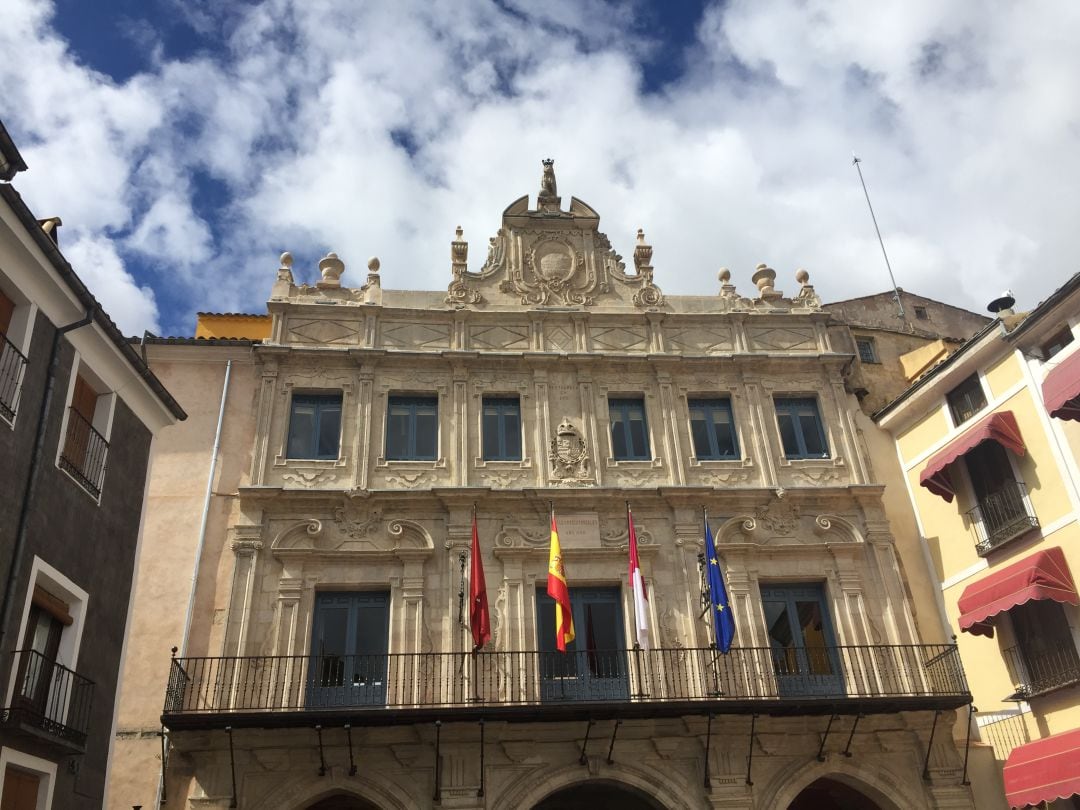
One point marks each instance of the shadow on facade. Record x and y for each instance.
(342, 801)
(597, 794)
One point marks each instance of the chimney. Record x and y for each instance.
(50, 227)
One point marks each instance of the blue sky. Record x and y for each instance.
(186, 144)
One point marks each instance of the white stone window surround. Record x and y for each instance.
(830, 417)
(650, 401)
(60, 586)
(41, 768)
(104, 411)
(528, 427)
(348, 407)
(20, 332)
(739, 416)
(380, 413)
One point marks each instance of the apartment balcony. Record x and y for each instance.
(1000, 517)
(49, 702)
(1036, 673)
(12, 363)
(269, 691)
(84, 453)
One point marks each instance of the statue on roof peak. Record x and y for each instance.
(548, 190)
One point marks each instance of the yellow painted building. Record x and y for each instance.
(989, 442)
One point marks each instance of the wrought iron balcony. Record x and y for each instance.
(84, 453)
(1035, 673)
(1000, 517)
(50, 701)
(416, 687)
(12, 363)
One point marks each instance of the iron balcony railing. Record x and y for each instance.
(1000, 517)
(546, 682)
(12, 363)
(84, 453)
(1034, 673)
(1004, 734)
(49, 698)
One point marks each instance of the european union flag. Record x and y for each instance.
(722, 619)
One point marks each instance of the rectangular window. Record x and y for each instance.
(314, 426)
(15, 325)
(629, 431)
(1045, 654)
(713, 429)
(85, 446)
(1058, 342)
(412, 428)
(867, 350)
(966, 400)
(800, 428)
(502, 429)
(921, 314)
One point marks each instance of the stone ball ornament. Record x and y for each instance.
(286, 260)
(802, 277)
(373, 264)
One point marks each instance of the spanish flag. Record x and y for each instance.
(558, 590)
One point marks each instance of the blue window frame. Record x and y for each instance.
(412, 428)
(800, 428)
(502, 429)
(314, 426)
(629, 431)
(712, 427)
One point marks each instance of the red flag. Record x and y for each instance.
(637, 586)
(558, 590)
(479, 618)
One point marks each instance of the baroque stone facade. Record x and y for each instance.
(606, 377)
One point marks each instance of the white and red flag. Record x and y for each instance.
(637, 584)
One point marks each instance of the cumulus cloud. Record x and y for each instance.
(376, 128)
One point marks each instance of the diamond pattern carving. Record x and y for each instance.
(499, 337)
(697, 339)
(323, 331)
(415, 336)
(620, 338)
(782, 338)
(560, 339)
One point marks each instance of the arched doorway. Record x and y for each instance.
(597, 794)
(829, 794)
(342, 801)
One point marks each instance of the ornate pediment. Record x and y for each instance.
(548, 257)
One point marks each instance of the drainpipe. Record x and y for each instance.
(35, 464)
(199, 549)
(205, 511)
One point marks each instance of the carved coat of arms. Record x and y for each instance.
(569, 453)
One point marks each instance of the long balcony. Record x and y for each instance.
(12, 363)
(50, 702)
(271, 691)
(1036, 673)
(1000, 517)
(84, 453)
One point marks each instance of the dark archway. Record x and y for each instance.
(599, 794)
(828, 794)
(342, 801)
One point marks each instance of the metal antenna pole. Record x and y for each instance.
(896, 290)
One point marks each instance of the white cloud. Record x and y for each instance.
(95, 259)
(376, 128)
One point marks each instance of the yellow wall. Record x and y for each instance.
(951, 539)
(230, 325)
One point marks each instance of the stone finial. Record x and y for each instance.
(807, 297)
(642, 252)
(764, 278)
(727, 289)
(459, 253)
(373, 288)
(331, 268)
(284, 272)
